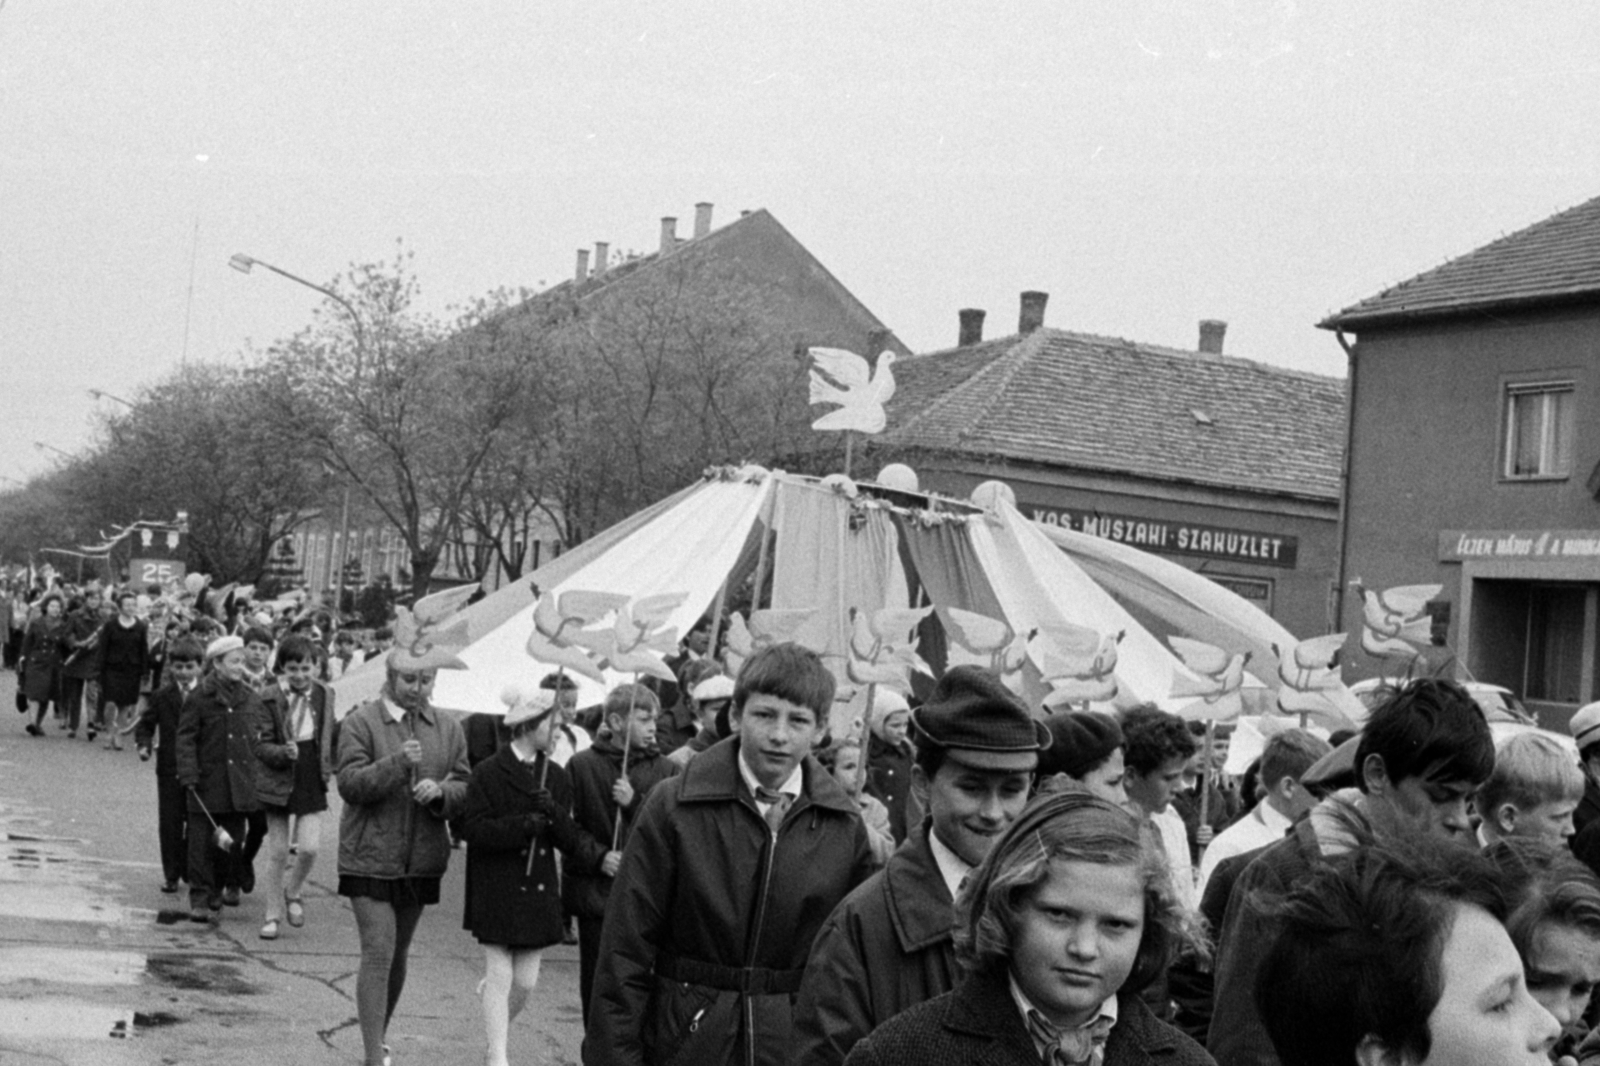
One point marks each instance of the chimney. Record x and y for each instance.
(1032, 316)
(602, 253)
(669, 233)
(702, 219)
(1211, 331)
(582, 274)
(971, 326)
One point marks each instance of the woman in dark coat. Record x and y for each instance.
(518, 811)
(41, 655)
(123, 654)
(1074, 885)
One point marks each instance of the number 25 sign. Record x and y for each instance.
(155, 571)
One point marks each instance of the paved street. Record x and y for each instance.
(97, 966)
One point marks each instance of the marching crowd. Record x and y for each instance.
(966, 880)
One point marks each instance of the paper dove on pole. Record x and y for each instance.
(1394, 622)
(1217, 677)
(882, 649)
(765, 628)
(1306, 671)
(428, 635)
(1079, 664)
(555, 620)
(639, 639)
(1005, 648)
(843, 378)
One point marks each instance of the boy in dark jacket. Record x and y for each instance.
(731, 869)
(216, 757)
(157, 728)
(604, 803)
(888, 946)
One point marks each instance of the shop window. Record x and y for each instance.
(1538, 430)
(1555, 643)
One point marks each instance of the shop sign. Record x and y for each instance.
(1255, 590)
(1460, 545)
(1175, 538)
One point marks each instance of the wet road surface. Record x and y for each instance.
(98, 966)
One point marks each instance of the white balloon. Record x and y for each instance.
(900, 477)
(989, 494)
(842, 485)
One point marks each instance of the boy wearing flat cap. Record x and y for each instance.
(888, 946)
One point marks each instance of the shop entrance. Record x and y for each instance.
(1539, 639)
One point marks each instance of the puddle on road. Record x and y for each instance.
(70, 967)
(200, 973)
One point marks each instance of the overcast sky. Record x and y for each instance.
(1147, 162)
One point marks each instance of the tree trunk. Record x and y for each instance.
(423, 562)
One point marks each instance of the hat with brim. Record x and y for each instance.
(1585, 725)
(527, 704)
(1335, 770)
(223, 645)
(713, 688)
(980, 722)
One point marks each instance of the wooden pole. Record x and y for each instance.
(761, 567)
(866, 731)
(716, 616)
(1205, 777)
(627, 745)
(849, 449)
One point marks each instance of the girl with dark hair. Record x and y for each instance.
(43, 646)
(1067, 919)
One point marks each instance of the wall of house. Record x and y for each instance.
(1429, 502)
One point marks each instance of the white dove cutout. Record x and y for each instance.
(1393, 621)
(1220, 675)
(1079, 664)
(859, 391)
(1308, 665)
(1307, 671)
(989, 638)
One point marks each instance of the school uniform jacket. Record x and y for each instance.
(158, 723)
(594, 772)
(885, 949)
(712, 916)
(217, 730)
(510, 900)
(978, 1024)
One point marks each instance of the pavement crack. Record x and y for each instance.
(327, 1035)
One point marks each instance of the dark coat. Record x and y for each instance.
(885, 949)
(278, 750)
(508, 902)
(383, 832)
(1190, 980)
(158, 722)
(83, 645)
(43, 648)
(708, 901)
(217, 731)
(593, 772)
(486, 734)
(122, 656)
(1237, 1036)
(979, 1023)
(889, 779)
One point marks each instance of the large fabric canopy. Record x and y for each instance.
(848, 554)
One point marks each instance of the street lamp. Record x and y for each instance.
(101, 394)
(242, 263)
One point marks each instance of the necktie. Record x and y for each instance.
(297, 718)
(1083, 1046)
(778, 806)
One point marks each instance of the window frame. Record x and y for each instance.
(1510, 393)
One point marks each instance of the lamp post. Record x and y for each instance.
(101, 394)
(242, 263)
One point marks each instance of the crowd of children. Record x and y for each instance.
(964, 877)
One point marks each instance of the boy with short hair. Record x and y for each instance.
(605, 802)
(731, 868)
(1157, 748)
(1533, 791)
(157, 729)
